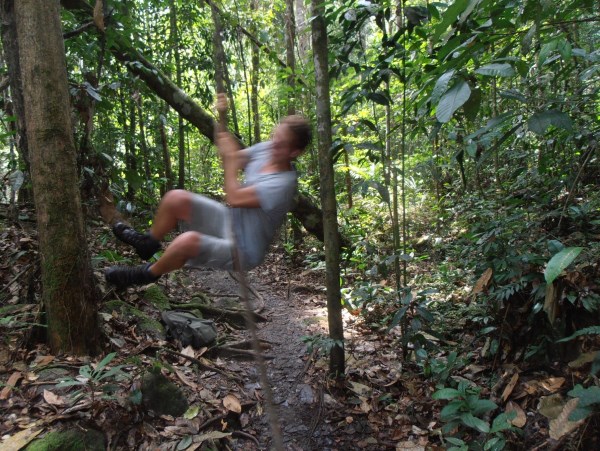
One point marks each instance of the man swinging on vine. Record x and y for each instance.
(257, 207)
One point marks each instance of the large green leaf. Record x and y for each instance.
(539, 122)
(446, 393)
(496, 70)
(441, 86)
(559, 262)
(471, 107)
(449, 16)
(474, 422)
(452, 100)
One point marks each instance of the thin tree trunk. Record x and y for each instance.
(68, 291)
(129, 133)
(328, 201)
(222, 81)
(290, 39)
(143, 143)
(165, 154)
(254, 86)
(174, 36)
(11, 55)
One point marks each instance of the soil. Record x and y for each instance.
(295, 308)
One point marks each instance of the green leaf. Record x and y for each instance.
(441, 86)
(184, 443)
(580, 413)
(559, 262)
(476, 423)
(502, 421)
(513, 95)
(192, 412)
(471, 107)
(555, 246)
(452, 100)
(587, 396)
(480, 406)
(455, 441)
(539, 122)
(448, 18)
(495, 444)
(378, 97)
(368, 123)
(565, 49)
(545, 51)
(449, 411)
(105, 361)
(496, 70)
(446, 393)
(592, 330)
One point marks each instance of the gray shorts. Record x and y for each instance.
(213, 221)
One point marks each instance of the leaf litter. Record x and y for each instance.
(385, 401)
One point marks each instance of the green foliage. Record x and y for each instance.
(465, 411)
(414, 318)
(91, 379)
(320, 344)
(588, 404)
(559, 262)
(439, 369)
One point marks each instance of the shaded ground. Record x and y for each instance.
(33, 401)
(385, 401)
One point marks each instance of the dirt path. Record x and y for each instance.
(293, 311)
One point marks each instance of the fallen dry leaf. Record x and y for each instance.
(483, 282)
(10, 384)
(510, 387)
(53, 399)
(561, 425)
(19, 440)
(183, 378)
(409, 446)
(232, 404)
(552, 384)
(521, 418)
(43, 360)
(189, 351)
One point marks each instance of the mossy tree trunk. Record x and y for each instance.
(68, 291)
(328, 201)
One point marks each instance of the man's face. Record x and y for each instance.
(282, 144)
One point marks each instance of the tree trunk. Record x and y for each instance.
(129, 133)
(68, 291)
(328, 200)
(165, 153)
(301, 25)
(254, 77)
(11, 55)
(174, 37)
(222, 81)
(290, 39)
(143, 143)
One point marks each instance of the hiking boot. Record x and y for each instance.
(145, 244)
(124, 276)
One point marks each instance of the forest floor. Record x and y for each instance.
(384, 401)
(227, 406)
